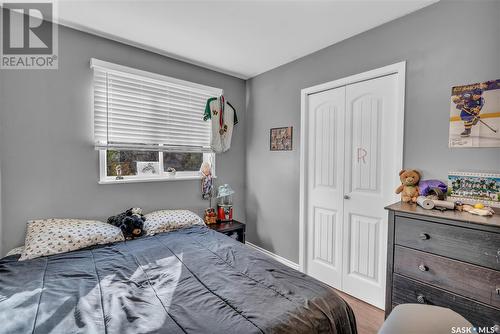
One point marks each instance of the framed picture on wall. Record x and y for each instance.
(475, 115)
(472, 187)
(281, 139)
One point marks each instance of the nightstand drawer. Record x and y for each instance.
(406, 290)
(474, 246)
(466, 279)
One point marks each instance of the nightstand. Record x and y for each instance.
(233, 229)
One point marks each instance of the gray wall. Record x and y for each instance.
(446, 44)
(48, 163)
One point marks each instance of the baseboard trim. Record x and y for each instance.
(278, 258)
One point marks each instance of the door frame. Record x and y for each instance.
(400, 70)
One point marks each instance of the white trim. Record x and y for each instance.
(400, 70)
(162, 176)
(302, 181)
(276, 257)
(151, 179)
(112, 67)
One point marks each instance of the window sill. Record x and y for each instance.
(160, 179)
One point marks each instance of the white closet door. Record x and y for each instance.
(370, 146)
(325, 185)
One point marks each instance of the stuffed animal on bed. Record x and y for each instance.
(409, 185)
(131, 222)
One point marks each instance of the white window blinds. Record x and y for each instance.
(138, 110)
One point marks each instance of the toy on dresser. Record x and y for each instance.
(431, 194)
(409, 185)
(477, 209)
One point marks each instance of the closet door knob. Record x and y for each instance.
(347, 196)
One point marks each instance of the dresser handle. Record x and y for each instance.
(423, 267)
(421, 299)
(424, 236)
(497, 290)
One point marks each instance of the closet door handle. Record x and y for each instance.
(347, 196)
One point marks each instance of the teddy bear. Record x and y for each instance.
(408, 188)
(131, 222)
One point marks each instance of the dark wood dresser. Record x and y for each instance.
(449, 259)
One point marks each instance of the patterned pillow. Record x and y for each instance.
(15, 251)
(53, 236)
(169, 220)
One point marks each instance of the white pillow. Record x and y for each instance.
(169, 220)
(53, 236)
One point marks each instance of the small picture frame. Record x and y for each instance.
(474, 187)
(281, 139)
(145, 168)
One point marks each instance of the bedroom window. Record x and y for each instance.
(147, 124)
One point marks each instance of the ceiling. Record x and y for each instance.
(241, 38)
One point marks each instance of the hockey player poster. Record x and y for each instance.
(475, 115)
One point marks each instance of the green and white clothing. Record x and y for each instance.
(223, 116)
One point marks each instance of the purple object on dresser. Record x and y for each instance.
(425, 186)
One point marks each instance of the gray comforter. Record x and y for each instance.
(188, 281)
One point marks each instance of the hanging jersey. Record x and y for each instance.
(223, 116)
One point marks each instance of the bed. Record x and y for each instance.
(192, 280)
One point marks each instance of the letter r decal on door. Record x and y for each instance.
(362, 153)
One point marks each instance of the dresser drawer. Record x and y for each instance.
(460, 243)
(466, 279)
(406, 290)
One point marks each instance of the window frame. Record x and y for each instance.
(162, 176)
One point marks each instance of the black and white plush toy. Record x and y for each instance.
(131, 222)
